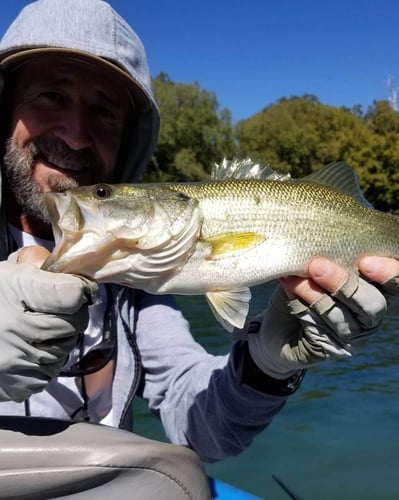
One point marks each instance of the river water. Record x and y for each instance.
(337, 437)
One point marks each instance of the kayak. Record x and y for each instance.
(224, 491)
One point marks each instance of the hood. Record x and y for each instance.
(91, 30)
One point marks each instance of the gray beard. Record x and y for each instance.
(18, 164)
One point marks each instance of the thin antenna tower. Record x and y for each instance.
(392, 98)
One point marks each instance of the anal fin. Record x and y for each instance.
(230, 307)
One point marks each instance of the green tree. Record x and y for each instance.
(300, 134)
(379, 170)
(194, 133)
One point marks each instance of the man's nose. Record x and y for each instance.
(74, 128)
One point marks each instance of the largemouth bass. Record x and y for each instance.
(217, 237)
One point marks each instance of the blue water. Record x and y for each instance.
(338, 436)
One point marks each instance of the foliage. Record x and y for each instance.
(300, 134)
(194, 134)
(379, 170)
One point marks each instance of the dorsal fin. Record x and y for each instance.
(338, 175)
(341, 176)
(245, 169)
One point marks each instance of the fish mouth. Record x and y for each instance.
(54, 213)
(64, 213)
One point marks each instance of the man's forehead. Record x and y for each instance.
(68, 70)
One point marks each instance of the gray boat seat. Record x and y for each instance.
(43, 458)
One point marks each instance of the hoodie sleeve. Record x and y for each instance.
(197, 395)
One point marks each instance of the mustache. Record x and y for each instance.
(58, 153)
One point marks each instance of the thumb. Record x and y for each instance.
(33, 254)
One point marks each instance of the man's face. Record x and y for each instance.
(67, 123)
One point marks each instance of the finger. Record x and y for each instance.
(50, 293)
(379, 269)
(328, 275)
(55, 351)
(33, 254)
(362, 299)
(324, 275)
(302, 288)
(385, 272)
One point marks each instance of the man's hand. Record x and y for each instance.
(326, 276)
(42, 315)
(326, 316)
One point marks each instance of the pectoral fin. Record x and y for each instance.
(227, 243)
(230, 307)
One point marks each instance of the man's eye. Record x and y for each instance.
(104, 112)
(51, 96)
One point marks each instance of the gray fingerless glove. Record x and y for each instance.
(390, 290)
(42, 315)
(293, 336)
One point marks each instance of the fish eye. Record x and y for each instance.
(102, 191)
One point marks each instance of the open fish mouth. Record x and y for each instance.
(64, 213)
(54, 213)
(66, 223)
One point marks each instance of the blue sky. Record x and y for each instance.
(254, 52)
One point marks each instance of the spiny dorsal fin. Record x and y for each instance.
(338, 175)
(245, 169)
(341, 176)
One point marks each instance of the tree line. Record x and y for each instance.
(296, 134)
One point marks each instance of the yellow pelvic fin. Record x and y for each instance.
(226, 243)
(230, 307)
